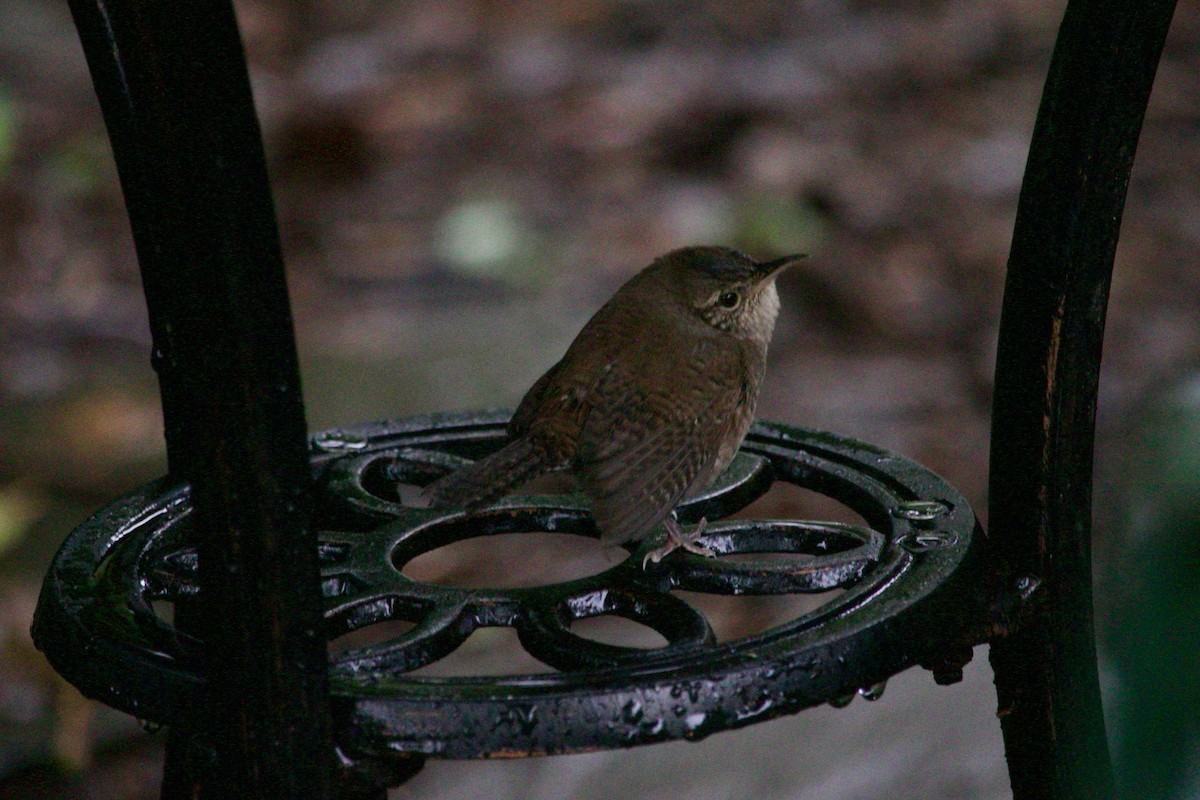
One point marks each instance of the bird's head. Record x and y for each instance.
(726, 288)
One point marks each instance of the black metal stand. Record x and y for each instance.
(230, 535)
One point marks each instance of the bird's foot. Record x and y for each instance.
(678, 539)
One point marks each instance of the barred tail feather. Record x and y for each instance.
(491, 478)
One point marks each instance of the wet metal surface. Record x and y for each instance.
(908, 577)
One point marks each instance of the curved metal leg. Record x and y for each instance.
(1047, 374)
(173, 86)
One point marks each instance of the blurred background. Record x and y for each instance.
(461, 184)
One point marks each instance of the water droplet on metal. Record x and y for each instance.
(756, 709)
(528, 719)
(920, 510)
(523, 719)
(872, 692)
(924, 541)
(843, 701)
(335, 441)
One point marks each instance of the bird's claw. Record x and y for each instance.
(677, 539)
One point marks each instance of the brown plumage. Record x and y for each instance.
(652, 399)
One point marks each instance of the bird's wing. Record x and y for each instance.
(641, 451)
(559, 399)
(525, 414)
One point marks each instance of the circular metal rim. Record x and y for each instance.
(874, 630)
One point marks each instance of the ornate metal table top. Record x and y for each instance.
(908, 577)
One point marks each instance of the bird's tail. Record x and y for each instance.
(492, 477)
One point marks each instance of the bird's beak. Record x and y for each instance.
(769, 269)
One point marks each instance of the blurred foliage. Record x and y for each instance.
(488, 238)
(1155, 638)
(8, 130)
(20, 506)
(80, 166)
(775, 224)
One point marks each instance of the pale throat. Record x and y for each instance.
(760, 317)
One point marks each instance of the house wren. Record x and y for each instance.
(651, 401)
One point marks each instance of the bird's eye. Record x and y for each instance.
(728, 299)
